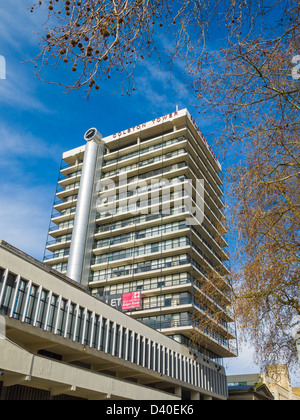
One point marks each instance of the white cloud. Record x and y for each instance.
(19, 42)
(17, 89)
(18, 26)
(24, 217)
(243, 363)
(25, 200)
(162, 89)
(15, 144)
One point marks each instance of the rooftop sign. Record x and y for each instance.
(143, 126)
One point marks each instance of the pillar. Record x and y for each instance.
(80, 236)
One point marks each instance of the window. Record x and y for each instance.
(88, 326)
(155, 247)
(32, 303)
(71, 321)
(1, 277)
(20, 300)
(136, 348)
(162, 360)
(62, 317)
(111, 330)
(146, 352)
(118, 337)
(103, 334)
(8, 294)
(168, 301)
(142, 341)
(157, 356)
(52, 313)
(80, 321)
(95, 337)
(152, 353)
(124, 339)
(42, 309)
(130, 345)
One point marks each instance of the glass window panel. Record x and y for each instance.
(20, 300)
(96, 332)
(110, 337)
(80, 322)
(8, 295)
(103, 334)
(88, 326)
(62, 317)
(32, 303)
(42, 309)
(52, 313)
(71, 321)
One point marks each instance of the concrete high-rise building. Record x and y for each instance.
(138, 220)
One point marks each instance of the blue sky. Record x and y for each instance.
(38, 122)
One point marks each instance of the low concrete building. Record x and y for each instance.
(275, 382)
(59, 341)
(258, 392)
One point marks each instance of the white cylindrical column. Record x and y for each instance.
(84, 200)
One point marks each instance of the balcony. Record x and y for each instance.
(56, 244)
(214, 341)
(133, 161)
(61, 228)
(57, 257)
(127, 273)
(141, 236)
(172, 247)
(140, 149)
(137, 223)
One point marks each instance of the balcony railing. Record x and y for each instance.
(129, 270)
(145, 150)
(178, 323)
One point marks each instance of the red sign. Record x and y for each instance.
(131, 300)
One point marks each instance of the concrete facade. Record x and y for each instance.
(58, 336)
(157, 230)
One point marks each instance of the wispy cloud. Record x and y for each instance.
(19, 43)
(25, 199)
(24, 217)
(243, 363)
(162, 88)
(25, 159)
(15, 144)
(19, 27)
(15, 92)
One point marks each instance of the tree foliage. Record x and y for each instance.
(98, 39)
(249, 85)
